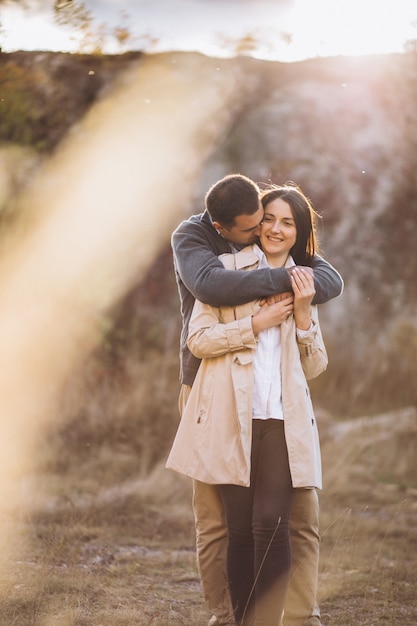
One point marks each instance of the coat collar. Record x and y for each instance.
(243, 259)
(248, 257)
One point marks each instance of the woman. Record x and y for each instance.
(249, 424)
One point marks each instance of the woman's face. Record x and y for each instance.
(278, 231)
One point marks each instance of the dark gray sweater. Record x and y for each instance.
(200, 275)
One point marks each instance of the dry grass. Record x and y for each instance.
(368, 509)
(368, 574)
(88, 552)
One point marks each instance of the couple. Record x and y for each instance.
(248, 435)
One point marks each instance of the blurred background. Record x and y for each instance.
(113, 125)
(81, 124)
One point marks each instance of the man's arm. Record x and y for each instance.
(328, 283)
(196, 261)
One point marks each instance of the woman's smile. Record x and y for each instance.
(276, 239)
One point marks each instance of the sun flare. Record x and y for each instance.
(357, 27)
(23, 31)
(295, 30)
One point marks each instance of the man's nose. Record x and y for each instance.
(258, 230)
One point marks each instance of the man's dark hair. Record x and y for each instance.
(231, 196)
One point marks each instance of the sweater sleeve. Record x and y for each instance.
(328, 283)
(197, 264)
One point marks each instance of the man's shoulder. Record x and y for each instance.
(193, 223)
(197, 228)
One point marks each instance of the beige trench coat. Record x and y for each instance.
(213, 441)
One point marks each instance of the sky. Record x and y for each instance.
(286, 30)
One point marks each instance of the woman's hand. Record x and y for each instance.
(302, 280)
(273, 312)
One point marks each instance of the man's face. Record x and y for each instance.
(246, 228)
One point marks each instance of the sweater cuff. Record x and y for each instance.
(281, 280)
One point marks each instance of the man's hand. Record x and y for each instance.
(278, 297)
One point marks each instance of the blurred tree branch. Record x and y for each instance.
(93, 38)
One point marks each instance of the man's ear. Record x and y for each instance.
(218, 227)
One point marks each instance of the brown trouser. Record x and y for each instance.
(211, 543)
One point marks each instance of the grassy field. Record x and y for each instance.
(89, 552)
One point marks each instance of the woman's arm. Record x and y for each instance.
(208, 337)
(312, 350)
(309, 338)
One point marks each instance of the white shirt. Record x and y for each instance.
(267, 400)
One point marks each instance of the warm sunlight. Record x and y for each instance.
(287, 31)
(327, 28)
(21, 31)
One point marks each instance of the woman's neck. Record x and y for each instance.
(276, 261)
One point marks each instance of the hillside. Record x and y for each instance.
(344, 129)
(99, 159)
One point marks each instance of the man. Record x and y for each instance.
(231, 221)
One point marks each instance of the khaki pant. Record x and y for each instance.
(211, 543)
